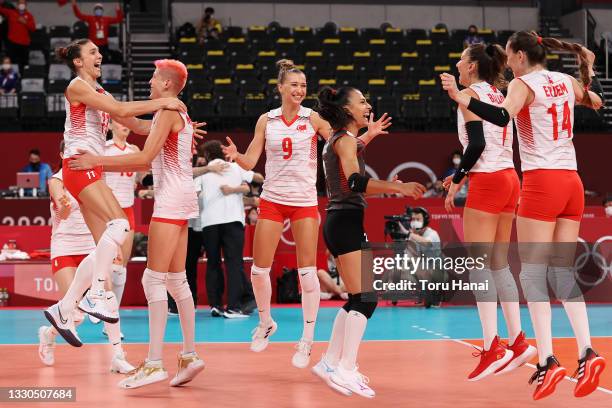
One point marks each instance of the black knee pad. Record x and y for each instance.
(365, 303)
(349, 302)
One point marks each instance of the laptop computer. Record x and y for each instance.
(28, 180)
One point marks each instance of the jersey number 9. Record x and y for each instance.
(287, 148)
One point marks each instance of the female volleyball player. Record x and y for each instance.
(88, 108)
(71, 242)
(347, 111)
(552, 196)
(289, 134)
(489, 210)
(168, 150)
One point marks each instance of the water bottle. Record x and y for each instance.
(3, 297)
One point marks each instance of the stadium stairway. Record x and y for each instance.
(146, 48)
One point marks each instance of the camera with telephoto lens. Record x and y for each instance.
(397, 227)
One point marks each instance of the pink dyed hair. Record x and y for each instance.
(176, 68)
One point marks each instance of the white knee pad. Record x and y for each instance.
(533, 282)
(309, 279)
(154, 284)
(111, 301)
(563, 282)
(505, 285)
(119, 275)
(117, 230)
(177, 286)
(260, 273)
(484, 279)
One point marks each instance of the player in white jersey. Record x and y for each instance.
(88, 108)
(168, 150)
(71, 242)
(289, 135)
(122, 184)
(552, 196)
(489, 210)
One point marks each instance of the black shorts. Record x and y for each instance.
(343, 231)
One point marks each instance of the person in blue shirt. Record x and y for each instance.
(35, 166)
(9, 79)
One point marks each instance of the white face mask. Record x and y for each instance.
(456, 161)
(21, 7)
(6, 67)
(416, 224)
(609, 211)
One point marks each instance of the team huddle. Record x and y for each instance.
(93, 220)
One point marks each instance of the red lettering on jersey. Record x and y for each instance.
(552, 91)
(301, 128)
(498, 99)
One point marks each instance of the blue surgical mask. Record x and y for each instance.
(99, 12)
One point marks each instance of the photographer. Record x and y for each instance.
(420, 232)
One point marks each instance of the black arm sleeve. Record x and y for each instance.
(475, 147)
(596, 87)
(495, 114)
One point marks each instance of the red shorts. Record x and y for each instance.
(180, 223)
(76, 180)
(279, 212)
(495, 192)
(129, 213)
(549, 194)
(67, 261)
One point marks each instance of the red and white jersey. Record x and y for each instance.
(291, 160)
(85, 128)
(175, 193)
(497, 154)
(122, 184)
(70, 236)
(545, 128)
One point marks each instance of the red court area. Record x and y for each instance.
(403, 374)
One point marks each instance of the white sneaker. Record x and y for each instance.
(46, 346)
(326, 295)
(261, 336)
(324, 372)
(189, 366)
(63, 324)
(120, 365)
(147, 373)
(353, 380)
(93, 319)
(106, 334)
(96, 306)
(301, 358)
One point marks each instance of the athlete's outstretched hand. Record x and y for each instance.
(174, 104)
(447, 182)
(230, 151)
(380, 126)
(198, 132)
(82, 161)
(414, 190)
(449, 84)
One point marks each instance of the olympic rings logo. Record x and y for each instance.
(599, 260)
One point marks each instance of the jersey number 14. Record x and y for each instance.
(566, 123)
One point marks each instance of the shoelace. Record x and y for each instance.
(303, 347)
(134, 371)
(538, 375)
(362, 377)
(479, 352)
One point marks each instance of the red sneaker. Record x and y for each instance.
(547, 377)
(522, 353)
(587, 373)
(490, 360)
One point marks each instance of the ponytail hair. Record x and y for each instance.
(491, 60)
(286, 66)
(536, 47)
(330, 106)
(68, 53)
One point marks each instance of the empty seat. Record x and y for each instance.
(33, 106)
(112, 72)
(36, 57)
(55, 42)
(202, 104)
(229, 106)
(59, 31)
(255, 105)
(34, 71)
(9, 106)
(57, 85)
(55, 105)
(33, 85)
(59, 71)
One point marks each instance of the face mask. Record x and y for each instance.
(416, 224)
(21, 7)
(456, 161)
(609, 211)
(98, 12)
(6, 67)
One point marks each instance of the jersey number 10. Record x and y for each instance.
(566, 123)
